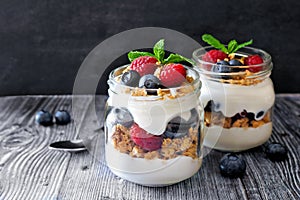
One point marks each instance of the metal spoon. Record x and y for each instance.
(74, 145)
(69, 145)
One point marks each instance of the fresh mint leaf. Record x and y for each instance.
(159, 51)
(232, 46)
(209, 39)
(175, 58)
(135, 54)
(243, 45)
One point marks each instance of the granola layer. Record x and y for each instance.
(171, 148)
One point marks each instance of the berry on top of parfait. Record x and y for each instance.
(148, 71)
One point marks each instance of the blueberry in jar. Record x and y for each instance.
(176, 128)
(44, 118)
(259, 114)
(221, 67)
(235, 62)
(119, 116)
(231, 165)
(211, 106)
(131, 78)
(149, 81)
(62, 117)
(193, 120)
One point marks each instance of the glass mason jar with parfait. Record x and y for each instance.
(237, 94)
(153, 122)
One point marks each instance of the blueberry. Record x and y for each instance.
(243, 113)
(179, 127)
(119, 116)
(210, 106)
(276, 151)
(131, 78)
(250, 116)
(235, 62)
(222, 62)
(221, 67)
(232, 165)
(44, 118)
(176, 128)
(194, 119)
(62, 117)
(149, 81)
(259, 114)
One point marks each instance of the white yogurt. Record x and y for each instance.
(232, 98)
(236, 139)
(154, 115)
(154, 172)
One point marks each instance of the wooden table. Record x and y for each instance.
(29, 170)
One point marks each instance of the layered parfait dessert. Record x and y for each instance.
(153, 132)
(237, 94)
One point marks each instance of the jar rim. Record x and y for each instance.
(204, 67)
(267, 57)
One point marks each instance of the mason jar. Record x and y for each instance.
(153, 136)
(237, 103)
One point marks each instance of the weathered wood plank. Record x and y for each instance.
(28, 170)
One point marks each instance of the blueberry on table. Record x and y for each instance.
(120, 116)
(231, 165)
(276, 151)
(62, 117)
(44, 118)
(131, 78)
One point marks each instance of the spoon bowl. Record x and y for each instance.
(69, 145)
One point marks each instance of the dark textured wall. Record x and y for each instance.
(43, 42)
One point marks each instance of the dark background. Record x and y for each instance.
(43, 42)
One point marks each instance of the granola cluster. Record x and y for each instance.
(242, 79)
(217, 118)
(171, 148)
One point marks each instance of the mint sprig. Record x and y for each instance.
(159, 51)
(175, 58)
(159, 54)
(232, 46)
(135, 54)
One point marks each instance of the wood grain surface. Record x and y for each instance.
(29, 170)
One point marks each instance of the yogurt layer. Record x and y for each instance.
(236, 139)
(231, 98)
(156, 172)
(154, 115)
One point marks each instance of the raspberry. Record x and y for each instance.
(145, 140)
(172, 75)
(254, 60)
(144, 65)
(214, 55)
